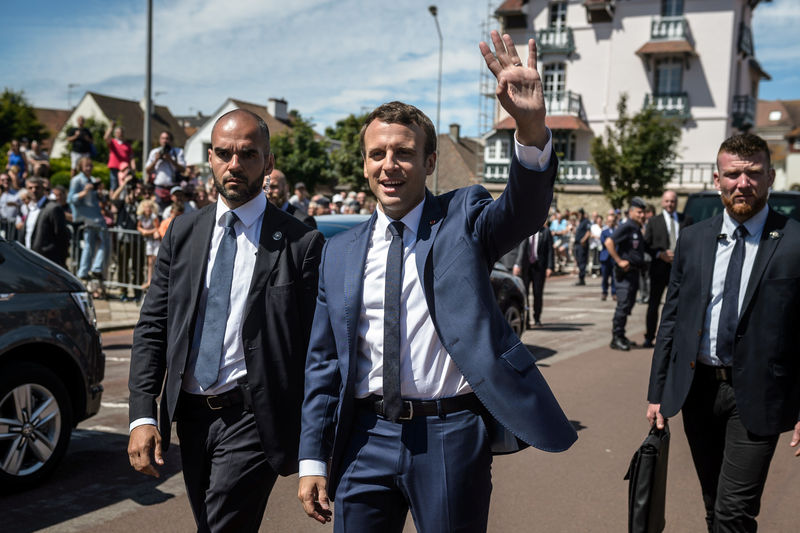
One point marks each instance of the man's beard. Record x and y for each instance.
(743, 210)
(253, 189)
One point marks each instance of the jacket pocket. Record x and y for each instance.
(519, 358)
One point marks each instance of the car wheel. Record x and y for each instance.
(35, 424)
(513, 315)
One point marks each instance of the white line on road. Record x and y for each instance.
(114, 405)
(114, 359)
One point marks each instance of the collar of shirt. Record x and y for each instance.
(248, 213)
(411, 222)
(754, 225)
(667, 216)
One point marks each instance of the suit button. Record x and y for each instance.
(691, 364)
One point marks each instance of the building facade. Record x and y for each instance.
(691, 59)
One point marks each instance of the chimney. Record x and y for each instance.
(455, 132)
(278, 108)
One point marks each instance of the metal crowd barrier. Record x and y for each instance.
(125, 265)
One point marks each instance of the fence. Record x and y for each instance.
(125, 264)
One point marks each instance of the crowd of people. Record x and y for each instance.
(113, 233)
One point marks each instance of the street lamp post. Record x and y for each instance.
(148, 86)
(70, 86)
(434, 12)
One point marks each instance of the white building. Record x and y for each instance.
(693, 59)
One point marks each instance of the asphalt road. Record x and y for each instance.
(582, 490)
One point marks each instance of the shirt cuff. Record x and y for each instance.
(531, 157)
(312, 467)
(141, 422)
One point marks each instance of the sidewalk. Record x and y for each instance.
(114, 314)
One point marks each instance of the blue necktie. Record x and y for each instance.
(729, 314)
(217, 304)
(392, 401)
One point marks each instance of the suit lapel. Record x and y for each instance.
(709, 255)
(203, 225)
(770, 237)
(270, 243)
(355, 256)
(429, 224)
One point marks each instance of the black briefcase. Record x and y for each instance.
(647, 489)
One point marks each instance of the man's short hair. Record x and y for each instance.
(39, 182)
(745, 145)
(262, 126)
(405, 114)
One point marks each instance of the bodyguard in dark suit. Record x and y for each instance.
(726, 355)
(277, 190)
(535, 268)
(661, 233)
(411, 366)
(223, 335)
(49, 235)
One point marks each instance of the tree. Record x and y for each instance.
(346, 162)
(637, 155)
(17, 119)
(300, 155)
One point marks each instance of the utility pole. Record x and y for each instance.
(434, 12)
(148, 106)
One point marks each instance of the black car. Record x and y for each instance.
(702, 205)
(51, 364)
(509, 292)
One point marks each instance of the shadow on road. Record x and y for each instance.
(564, 326)
(95, 473)
(109, 347)
(540, 352)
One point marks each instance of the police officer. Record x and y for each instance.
(626, 246)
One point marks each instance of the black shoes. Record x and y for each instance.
(648, 343)
(620, 343)
(580, 282)
(538, 323)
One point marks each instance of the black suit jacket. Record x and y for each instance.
(766, 358)
(305, 218)
(544, 251)
(50, 234)
(275, 331)
(656, 235)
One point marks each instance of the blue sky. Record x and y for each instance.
(327, 58)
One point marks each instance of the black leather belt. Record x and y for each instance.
(717, 373)
(416, 408)
(214, 402)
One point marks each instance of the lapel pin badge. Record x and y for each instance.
(277, 236)
(433, 222)
(774, 234)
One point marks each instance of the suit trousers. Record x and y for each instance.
(731, 463)
(227, 476)
(438, 467)
(659, 278)
(607, 276)
(626, 297)
(536, 276)
(581, 258)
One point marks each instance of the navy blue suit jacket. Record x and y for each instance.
(461, 234)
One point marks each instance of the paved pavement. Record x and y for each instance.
(601, 390)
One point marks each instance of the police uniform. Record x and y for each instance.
(629, 243)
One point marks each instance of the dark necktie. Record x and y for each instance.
(729, 314)
(217, 303)
(392, 401)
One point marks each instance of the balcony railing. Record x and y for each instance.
(673, 105)
(563, 103)
(668, 29)
(555, 41)
(577, 172)
(745, 40)
(744, 111)
(495, 172)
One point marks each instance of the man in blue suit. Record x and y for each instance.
(411, 367)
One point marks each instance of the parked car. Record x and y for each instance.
(702, 205)
(509, 291)
(51, 364)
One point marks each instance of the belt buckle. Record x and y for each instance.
(410, 410)
(208, 402)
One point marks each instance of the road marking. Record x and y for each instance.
(114, 405)
(583, 309)
(114, 359)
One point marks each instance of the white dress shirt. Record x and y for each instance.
(755, 225)
(674, 217)
(426, 369)
(232, 365)
(34, 208)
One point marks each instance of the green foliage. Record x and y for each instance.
(60, 172)
(300, 156)
(636, 158)
(98, 130)
(17, 119)
(347, 164)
